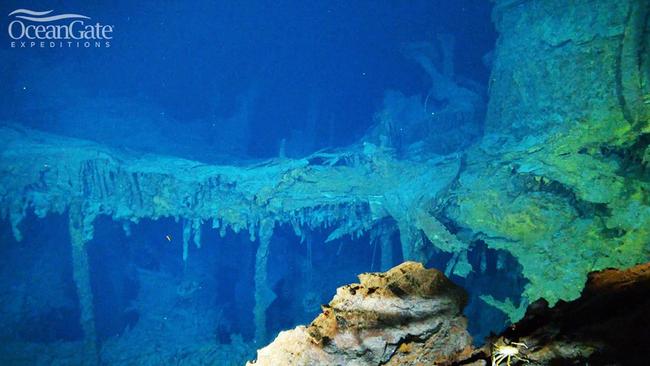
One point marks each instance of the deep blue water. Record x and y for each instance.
(221, 82)
(181, 68)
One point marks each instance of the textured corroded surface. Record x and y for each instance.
(561, 180)
(347, 191)
(350, 192)
(408, 315)
(561, 62)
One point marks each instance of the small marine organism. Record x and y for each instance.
(506, 350)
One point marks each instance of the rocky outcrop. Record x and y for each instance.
(411, 316)
(408, 315)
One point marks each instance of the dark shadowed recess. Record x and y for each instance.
(141, 284)
(39, 301)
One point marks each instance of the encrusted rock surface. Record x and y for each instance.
(408, 315)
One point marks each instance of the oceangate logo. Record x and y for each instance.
(41, 29)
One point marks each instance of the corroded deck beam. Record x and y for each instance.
(349, 192)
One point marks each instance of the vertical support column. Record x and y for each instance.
(79, 234)
(386, 250)
(412, 243)
(447, 43)
(633, 65)
(264, 295)
(310, 267)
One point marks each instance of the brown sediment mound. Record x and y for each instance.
(608, 325)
